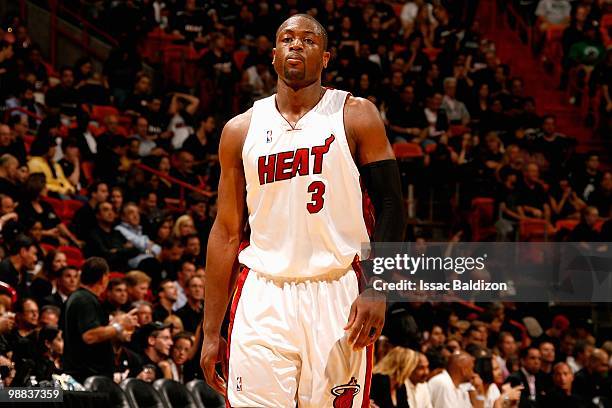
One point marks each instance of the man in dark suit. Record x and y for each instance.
(561, 394)
(529, 377)
(593, 381)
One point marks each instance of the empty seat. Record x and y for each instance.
(204, 395)
(116, 396)
(141, 394)
(74, 255)
(175, 394)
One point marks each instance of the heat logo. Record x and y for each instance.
(345, 394)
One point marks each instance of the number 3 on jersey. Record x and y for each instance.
(317, 188)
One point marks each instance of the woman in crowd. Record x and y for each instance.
(183, 227)
(33, 208)
(50, 347)
(390, 374)
(180, 353)
(44, 282)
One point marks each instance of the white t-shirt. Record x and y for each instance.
(493, 395)
(444, 394)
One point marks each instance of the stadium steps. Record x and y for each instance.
(542, 86)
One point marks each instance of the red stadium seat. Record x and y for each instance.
(407, 150)
(533, 229)
(87, 168)
(70, 208)
(57, 204)
(99, 112)
(566, 225)
(239, 58)
(74, 255)
(432, 53)
(482, 218)
(47, 247)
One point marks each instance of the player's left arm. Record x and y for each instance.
(380, 175)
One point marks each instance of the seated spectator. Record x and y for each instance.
(448, 389)
(106, 242)
(586, 180)
(44, 282)
(529, 377)
(137, 285)
(144, 312)
(71, 163)
(389, 377)
(592, 381)
(167, 295)
(88, 333)
(116, 297)
(184, 274)
(181, 352)
(533, 199)
(585, 231)
(191, 23)
(552, 145)
(149, 210)
(126, 362)
(192, 313)
(184, 171)
(136, 102)
(416, 383)
(455, 110)
(171, 258)
(84, 220)
(581, 353)
(11, 144)
(157, 349)
(182, 123)
(572, 34)
(42, 161)
(436, 117)
(584, 55)
(183, 227)
(148, 145)
(564, 202)
(601, 197)
(116, 198)
(50, 351)
(562, 395)
(9, 177)
(67, 282)
(406, 118)
(506, 349)
(49, 316)
(110, 162)
(14, 268)
(131, 230)
(193, 250)
(64, 98)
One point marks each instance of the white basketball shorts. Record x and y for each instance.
(288, 348)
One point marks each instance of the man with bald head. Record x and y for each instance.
(9, 166)
(457, 386)
(562, 395)
(593, 380)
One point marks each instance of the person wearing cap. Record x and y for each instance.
(156, 352)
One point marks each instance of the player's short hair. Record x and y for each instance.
(322, 30)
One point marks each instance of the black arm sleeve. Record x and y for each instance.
(382, 182)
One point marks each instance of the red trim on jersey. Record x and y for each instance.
(237, 293)
(369, 349)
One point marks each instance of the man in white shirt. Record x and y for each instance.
(453, 388)
(416, 385)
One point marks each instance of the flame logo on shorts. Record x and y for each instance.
(345, 394)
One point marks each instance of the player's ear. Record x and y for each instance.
(273, 55)
(326, 56)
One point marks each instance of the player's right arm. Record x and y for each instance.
(223, 243)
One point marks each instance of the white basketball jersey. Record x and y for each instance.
(303, 192)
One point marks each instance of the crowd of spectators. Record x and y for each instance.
(440, 87)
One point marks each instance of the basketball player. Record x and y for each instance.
(300, 332)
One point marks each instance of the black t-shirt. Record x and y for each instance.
(67, 99)
(191, 319)
(192, 26)
(381, 393)
(10, 189)
(84, 312)
(533, 197)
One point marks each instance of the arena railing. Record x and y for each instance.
(182, 185)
